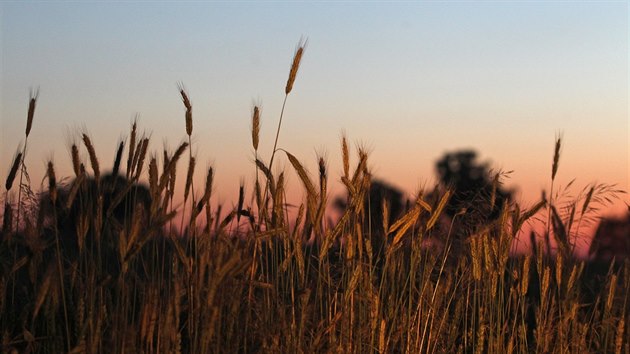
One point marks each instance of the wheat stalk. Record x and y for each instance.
(255, 127)
(345, 156)
(119, 152)
(92, 154)
(29, 124)
(556, 158)
(132, 146)
(76, 162)
(31, 111)
(143, 152)
(52, 191)
(294, 67)
(292, 75)
(13, 171)
(188, 106)
(189, 177)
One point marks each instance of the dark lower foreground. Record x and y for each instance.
(125, 293)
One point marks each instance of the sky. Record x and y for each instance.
(407, 80)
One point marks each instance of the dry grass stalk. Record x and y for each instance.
(530, 213)
(241, 199)
(385, 207)
(44, 289)
(359, 171)
(587, 200)
(560, 232)
(172, 164)
(74, 190)
(189, 177)
(31, 111)
(438, 210)
(132, 146)
(267, 172)
(573, 277)
(620, 335)
(76, 162)
(476, 253)
(165, 161)
(292, 74)
(118, 157)
(306, 180)
(7, 222)
(495, 185)
(612, 283)
(144, 145)
(52, 182)
(406, 222)
(559, 270)
(323, 191)
(294, 67)
(92, 154)
(525, 275)
(153, 179)
(544, 291)
(255, 127)
(278, 202)
(208, 190)
(205, 199)
(171, 180)
(13, 171)
(345, 156)
(556, 158)
(188, 106)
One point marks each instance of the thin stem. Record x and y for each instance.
(22, 170)
(61, 276)
(273, 154)
(275, 144)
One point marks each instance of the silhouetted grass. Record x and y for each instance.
(97, 266)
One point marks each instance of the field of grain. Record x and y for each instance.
(116, 262)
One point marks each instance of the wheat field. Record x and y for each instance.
(114, 261)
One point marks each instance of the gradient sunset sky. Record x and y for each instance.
(408, 80)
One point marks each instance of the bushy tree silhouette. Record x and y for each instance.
(477, 197)
(611, 240)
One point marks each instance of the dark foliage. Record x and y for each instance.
(474, 192)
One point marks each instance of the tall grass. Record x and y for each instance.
(98, 266)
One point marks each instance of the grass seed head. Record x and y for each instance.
(209, 179)
(119, 152)
(143, 152)
(132, 146)
(556, 158)
(92, 154)
(345, 156)
(153, 178)
(76, 162)
(588, 198)
(294, 67)
(241, 198)
(256, 127)
(31, 111)
(189, 177)
(188, 106)
(13, 171)
(52, 182)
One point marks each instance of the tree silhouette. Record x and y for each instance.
(477, 196)
(611, 240)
